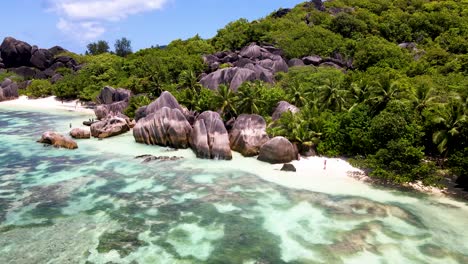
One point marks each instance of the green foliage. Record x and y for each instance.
(135, 103)
(96, 48)
(376, 51)
(38, 88)
(235, 35)
(10, 75)
(458, 163)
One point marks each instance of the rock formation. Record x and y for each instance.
(165, 127)
(283, 107)
(80, 133)
(248, 134)
(278, 150)
(113, 102)
(8, 90)
(33, 62)
(253, 62)
(57, 140)
(209, 139)
(288, 167)
(111, 126)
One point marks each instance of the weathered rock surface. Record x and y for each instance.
(209, 139)
(283, 107)
(15, 53)
(80, 133)
(8, 90)
(111, 126)
(113, 102)
(165, 127)
(103, 111)
(57, 140)
(166, 99)
(41, 58)
(109, 95)
(288, 167)
(248, 134)
(253, 62)
(278, 150)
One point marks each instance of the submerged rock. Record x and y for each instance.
(57, 140)
(148, 158)
(278, 150)
(288, 167)
(166, 127)
(80, 133)
(248, 134)
(209, 139)
(110, 127)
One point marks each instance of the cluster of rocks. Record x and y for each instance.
(8, 90)
(165, 123)
(112, 102)
(149, 158)
(32, 62)
(253, 62)
(258, 62)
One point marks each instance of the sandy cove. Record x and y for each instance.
(335, 168)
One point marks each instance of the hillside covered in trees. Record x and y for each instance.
(383, 82)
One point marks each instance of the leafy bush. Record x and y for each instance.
(38, 88)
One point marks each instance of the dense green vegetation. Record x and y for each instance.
(400, 110)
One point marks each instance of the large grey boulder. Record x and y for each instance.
(8, 90)
(109, 95)
(278, 150)
(24, 71)
(283, 107)
(165, 127)
(103, 111)
(233, 77)
(209, 139)
(15, 53)
(111, 126)
(166, 99)
(274, 65)
(312, 60)
(248, 134)
(295, 63)
(41, 58)
(57, 140)
(261, 73)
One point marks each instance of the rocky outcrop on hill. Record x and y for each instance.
(33, 62)
(283, 107)
(57, 140)
(209, 138)
(111, 126)
(113, 102)
(166, 99)
(253, 62)
(8, 90)
(165, 127)
(248, 134)
(278, 150)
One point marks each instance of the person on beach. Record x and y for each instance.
(325, 164)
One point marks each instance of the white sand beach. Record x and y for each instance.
(51, 103)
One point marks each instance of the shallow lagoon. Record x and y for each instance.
(99, 204)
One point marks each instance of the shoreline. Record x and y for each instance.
(48, 103)
(336, 167)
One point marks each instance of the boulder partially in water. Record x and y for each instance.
(111, 126)
(209, 139)
(278, 150)
(248, 134)
(80, 133)
(57, 140)
(165, 127)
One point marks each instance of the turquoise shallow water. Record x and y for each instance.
(99, 204)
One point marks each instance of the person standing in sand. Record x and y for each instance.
(325, 164)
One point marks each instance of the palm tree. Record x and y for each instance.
(188, 80)
(332, 95)
(298, 93)
(422, 96)
(384, 90)
(359, 91)
(450, 119)
(249, 100)
(226, 99)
